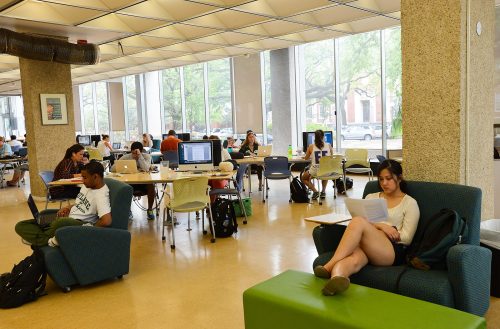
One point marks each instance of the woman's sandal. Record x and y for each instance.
(321, 272)
(336, 285)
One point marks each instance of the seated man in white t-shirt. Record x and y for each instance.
(92, 208)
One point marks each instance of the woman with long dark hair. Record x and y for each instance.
(69, 167)
(314, 152)
(382, 243)
(250, 147)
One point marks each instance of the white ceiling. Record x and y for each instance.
(138, 36)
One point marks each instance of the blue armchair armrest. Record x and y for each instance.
(95, 253)
(327, 237)
(469, 270)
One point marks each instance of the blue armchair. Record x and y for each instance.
(91, 254)
(464, 285)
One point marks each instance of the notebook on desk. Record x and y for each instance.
(126, 167)
(264, 151)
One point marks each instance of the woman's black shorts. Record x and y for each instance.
(399, 253)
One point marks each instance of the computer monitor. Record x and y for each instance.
(195, 155)
(117, 145)
(164, 136)
(308, 138)
(185, 137)
(216, 151)
(84, 140)
(95, 139)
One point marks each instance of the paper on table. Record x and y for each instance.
(329, 218)
(375, 210)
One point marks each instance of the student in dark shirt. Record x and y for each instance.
(69, 167)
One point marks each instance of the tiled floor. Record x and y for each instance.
(199, 285)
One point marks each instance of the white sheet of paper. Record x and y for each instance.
(375, 210)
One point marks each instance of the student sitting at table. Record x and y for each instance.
(143, 161)
(5, 149)
(250, 147)
(170, 143)
(147, 140)
(314, 152)
(92, 208)
(69, 167)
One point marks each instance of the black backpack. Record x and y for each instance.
(298, 191)
(339, 184)
(224, 218)
(25, 283)
(443, 230)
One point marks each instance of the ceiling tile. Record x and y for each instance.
(182, 32)
(124, 23)
(276, 28)
(223, 3)
(367, 24)
(381, 6)
(107, 5)
(312, 35)
(332, 15)
(282, 8)
(175, 10)
(227, 19)
(52, 13)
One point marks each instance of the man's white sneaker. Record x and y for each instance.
(53, 242)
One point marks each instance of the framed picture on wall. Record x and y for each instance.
(54, 111)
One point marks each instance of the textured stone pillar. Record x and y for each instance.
(448, 93)
(46, 144)
(282, 104)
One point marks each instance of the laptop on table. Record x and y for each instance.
(126, 167)
(264, 151)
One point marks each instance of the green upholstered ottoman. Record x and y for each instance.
(293, 300)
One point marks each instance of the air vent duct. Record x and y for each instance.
(47, 49)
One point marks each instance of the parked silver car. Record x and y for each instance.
(361, 132)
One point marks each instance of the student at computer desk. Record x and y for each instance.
(143, 161)
(250, 147)
(69, 167)
(104, 147)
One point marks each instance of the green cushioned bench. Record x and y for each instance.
(293, 300)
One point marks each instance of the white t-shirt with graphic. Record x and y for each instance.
(91, 204)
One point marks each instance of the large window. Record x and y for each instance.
(101, 92)
(132, 95)
(393, 67)
(268, 122)
(319, 85)
(195, 100)
(172, 103)
(219, 98)
(359, 90)
(88, 109)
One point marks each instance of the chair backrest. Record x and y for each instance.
(356, 157)
(172, 157)
(240, 173)
(94, 154)
(47, 176)
(330, 165)
(15, 148)
(276, 165)
(23, 151)
(156, 143)
(120, 198)
(432, 197)
(193, 189)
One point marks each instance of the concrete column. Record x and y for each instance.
(282, 102)
(46, 144)
(448, 92)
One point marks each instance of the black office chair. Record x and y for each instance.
(275, 167)
(240, 173)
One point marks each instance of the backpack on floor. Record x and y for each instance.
(25, 283)
(299, 191)
(443, 230)
(339, 184)
(224, 218)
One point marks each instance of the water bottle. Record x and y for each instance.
(290, 151)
